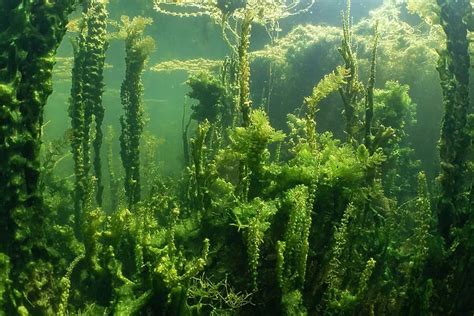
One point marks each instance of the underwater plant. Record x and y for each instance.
(224, 12)
(292, 251)
(31, 32)
(86, 109)
(352, 90)
(453, 68)
(395, 113)
(303, 210)
(138, 48)
(244, 70)
(454, 208)
(210, 93)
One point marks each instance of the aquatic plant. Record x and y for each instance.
(329, 84)
(97, 46)
(114, 180)
(254, 218)
(369, 98)
(419, 286)
(199, 157)
(428, 9)
(244, 70)
(267, 13)
(137, 48)
(292, 251)
(453, 69)
(31, 33)
(261, 221)
(235, 18)
(210, 93)
(192, 66)
(205, 296)
(395, 113)
(250, 146)
(353, 88)
(86, 109)
(66, 285)
(454, 209)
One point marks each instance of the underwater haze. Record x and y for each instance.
(236, 157)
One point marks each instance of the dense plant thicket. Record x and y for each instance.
(293, 220)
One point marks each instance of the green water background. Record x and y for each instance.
(189, 38)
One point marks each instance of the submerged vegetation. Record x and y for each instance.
(275, 211)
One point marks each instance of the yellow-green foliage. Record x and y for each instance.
(427, 9)
(137, 47)
(198, 168)
(298, 39)
(422, 216)
(293, 303)
(292, 253)
(296, 236)
(31, 33)
(93, 220)
(218, 298)
(399, 40)
(210, 93)
(254, 218)
(329, 84)
(85, 109)
(333, 164)
(172, 268)
(175, 270)
(336, 267)
(365, 276)
(266, 12)
(5, 281)
(245, 103)
(192, 66)
(254, 138)
(133, 29)
(394, 107)
(66, 286)
(249, 145)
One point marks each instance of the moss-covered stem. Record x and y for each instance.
(369, 100)
(97, 46)
(351, 90)
(137, 48)
(454, 211)
(86, 103)
(30, 32)
(244, 70)
(453, 68)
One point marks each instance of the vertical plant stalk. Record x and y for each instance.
(113, 181)
(369, 100)
(94, 87)
(244, 71)
(86, 103)
(454, 211)
(76, 112)
(198, 153)
(184, 135)
(31, 32)
(245, 104)
(351, 90)
(453, 68)
(137, 48)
